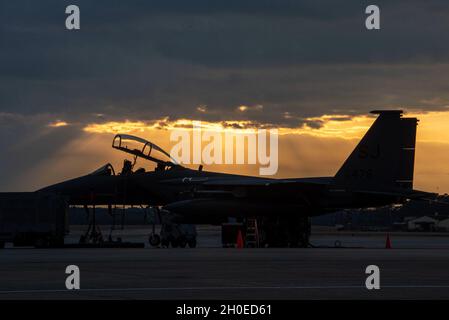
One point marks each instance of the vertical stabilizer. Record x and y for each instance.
(384, 158)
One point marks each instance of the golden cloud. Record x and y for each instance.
(58, 124)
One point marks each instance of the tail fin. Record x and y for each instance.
(384, 158)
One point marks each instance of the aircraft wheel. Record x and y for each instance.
(154, 240)
(192, 243)
(165, 243)
(41, 242)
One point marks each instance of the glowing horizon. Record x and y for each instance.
(431, 126)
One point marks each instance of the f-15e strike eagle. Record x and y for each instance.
(378, 172)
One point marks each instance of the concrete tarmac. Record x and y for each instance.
(215, 273)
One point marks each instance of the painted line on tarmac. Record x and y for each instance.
(222, 288)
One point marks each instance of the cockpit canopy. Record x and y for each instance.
(142, 148)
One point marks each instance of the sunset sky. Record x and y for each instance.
(308, 68)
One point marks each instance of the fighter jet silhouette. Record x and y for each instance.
(378, 172)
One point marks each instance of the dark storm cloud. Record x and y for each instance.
(147, 59)
(314, 124)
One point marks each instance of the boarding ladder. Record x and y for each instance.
(252, 233)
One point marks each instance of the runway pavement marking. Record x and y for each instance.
(222, 288)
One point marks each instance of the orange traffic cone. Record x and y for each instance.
(388, 242)
(239, 240)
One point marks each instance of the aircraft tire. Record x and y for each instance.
(154, 240)
(192, 243)
(165, 243)
(41, 242)
(287, 232)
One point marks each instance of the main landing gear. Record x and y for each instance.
(171, 234)
(174, 235)
(285, 232)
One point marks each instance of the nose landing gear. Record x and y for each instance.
(154, 240)
(93, 233)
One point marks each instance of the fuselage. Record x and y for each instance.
(187, 193)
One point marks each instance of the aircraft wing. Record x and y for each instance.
(246, 181)
(212, 181)
(265, 182)
(242, 187)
